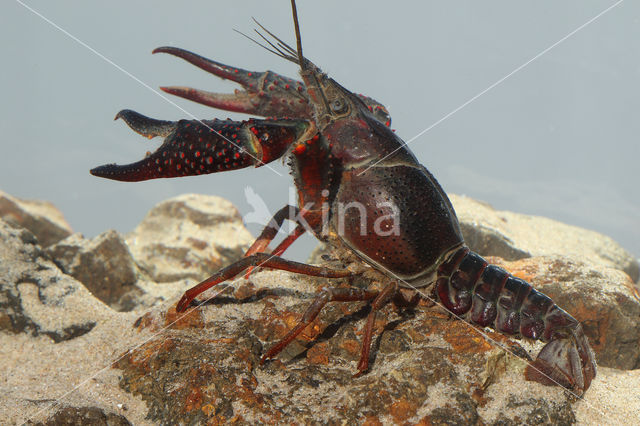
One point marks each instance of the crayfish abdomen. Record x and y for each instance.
(488, 295)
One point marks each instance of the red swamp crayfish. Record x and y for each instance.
(342, 152)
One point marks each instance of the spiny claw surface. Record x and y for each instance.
(266, 93)
(196, 147)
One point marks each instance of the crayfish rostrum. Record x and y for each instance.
(361, 190)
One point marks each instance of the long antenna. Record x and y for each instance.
(297, 28)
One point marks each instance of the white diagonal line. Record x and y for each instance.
(82, 43)
(495, 84)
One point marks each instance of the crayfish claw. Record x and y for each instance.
(243, 77)
(146, 126)
(239, 101)
(266, 94)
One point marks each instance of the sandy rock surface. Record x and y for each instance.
(426, 368)
(89, 335)
(54, 335)
(104, 265)
(188, 236)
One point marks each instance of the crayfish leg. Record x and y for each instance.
(326, 295)
(262, 260)
(271, 230)
(381, 299)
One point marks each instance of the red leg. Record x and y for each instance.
(262, 260)
(284, 245)
(350, 294)
(271, 230)
(383, 297)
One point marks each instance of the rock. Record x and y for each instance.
(79, 416)
(104, 265)
(426, 366)
(513, 236)
(319, 254)
(58, 342)
(36, 297)
(603, 299)
(190, 236)
(43, 219)
(56, 338)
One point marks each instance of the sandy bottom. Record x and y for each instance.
(612, 399)
(37, 374)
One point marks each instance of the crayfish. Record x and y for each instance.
(361, 190)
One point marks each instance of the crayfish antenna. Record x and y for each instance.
(296, 25)
(279, 47)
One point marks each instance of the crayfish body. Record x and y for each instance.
(359, 187)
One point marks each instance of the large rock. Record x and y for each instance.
(189, 236)
(42, 218)
(80, 416)
(426, 367)
(513, 236)
(104, 265)
(57, 342)
(36, 297)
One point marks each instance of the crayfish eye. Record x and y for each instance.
(338, 106)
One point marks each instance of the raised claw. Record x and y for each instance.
(266, 94)
(195, 147)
